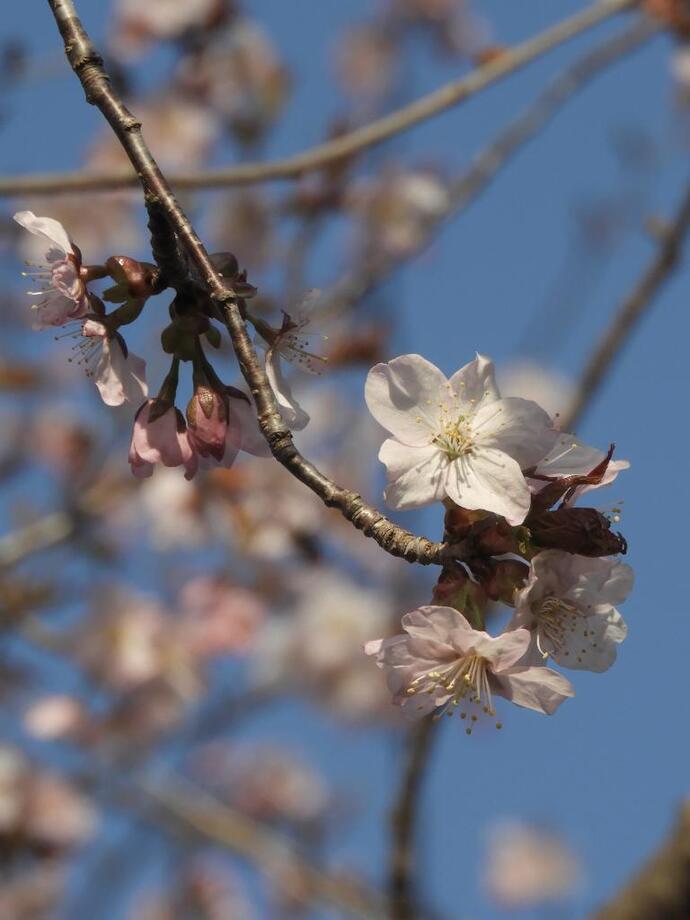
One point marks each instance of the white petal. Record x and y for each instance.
(489, 480)
(416, 475)
(405, 396)
(505, 650)
(120, 379)
(294, 415)
(243, 429)
(475, 383)
(49, 229)
(535, 688)
(587, 644)
(518, 427)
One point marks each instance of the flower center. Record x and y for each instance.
(557, 620)
(455, 438)
(465, 685)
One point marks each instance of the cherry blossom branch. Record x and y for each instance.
(661, 889)
(87, 64)
(464, 189)
(347, 145)
(671, 239)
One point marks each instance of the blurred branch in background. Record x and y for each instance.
(661, 889)
(502, 65)
(670, 238)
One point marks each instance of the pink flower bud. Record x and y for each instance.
(161, 439)
(207, 417)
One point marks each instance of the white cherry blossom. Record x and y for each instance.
(295, 344)
(457, 437)
(568, 604)
(440, 662)
(62, 295)
(120, 375)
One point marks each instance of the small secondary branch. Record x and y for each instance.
(639, 300)
(661, 890)
(352, 143)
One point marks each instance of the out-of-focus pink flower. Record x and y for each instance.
(318, 647)
(120, 375)
(366, 63)
(56, 813)
(132, 642)
(245, 217)
(528, 866)
(63, 296)
(57, 716)
(217, 617)
(164, 439)
(267, 782)
(398, 210)
(181, 131)
(138, 24)
(441, 662)
(239, 75)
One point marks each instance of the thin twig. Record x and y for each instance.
(661, 890)
(464, 189)
(88, 66)
(347, 145)
(631, 311)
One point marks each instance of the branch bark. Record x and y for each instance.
(661, 890)
(348, 145)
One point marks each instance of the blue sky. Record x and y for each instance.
(611, 767)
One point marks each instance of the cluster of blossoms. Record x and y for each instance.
(499, 465)
(220, 420)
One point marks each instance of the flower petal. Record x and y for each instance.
(415, 475)
(505, 650)
(518, 427)
(489, 480)
(404, 397)
(50, 229)
(243, 429)
(475, 383)
(535, 688)
(293, 414)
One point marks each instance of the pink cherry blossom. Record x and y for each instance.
(456, 438)
(442, 663)
(63, 296)
(568, 604)
(163, 439)
(120, 375)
